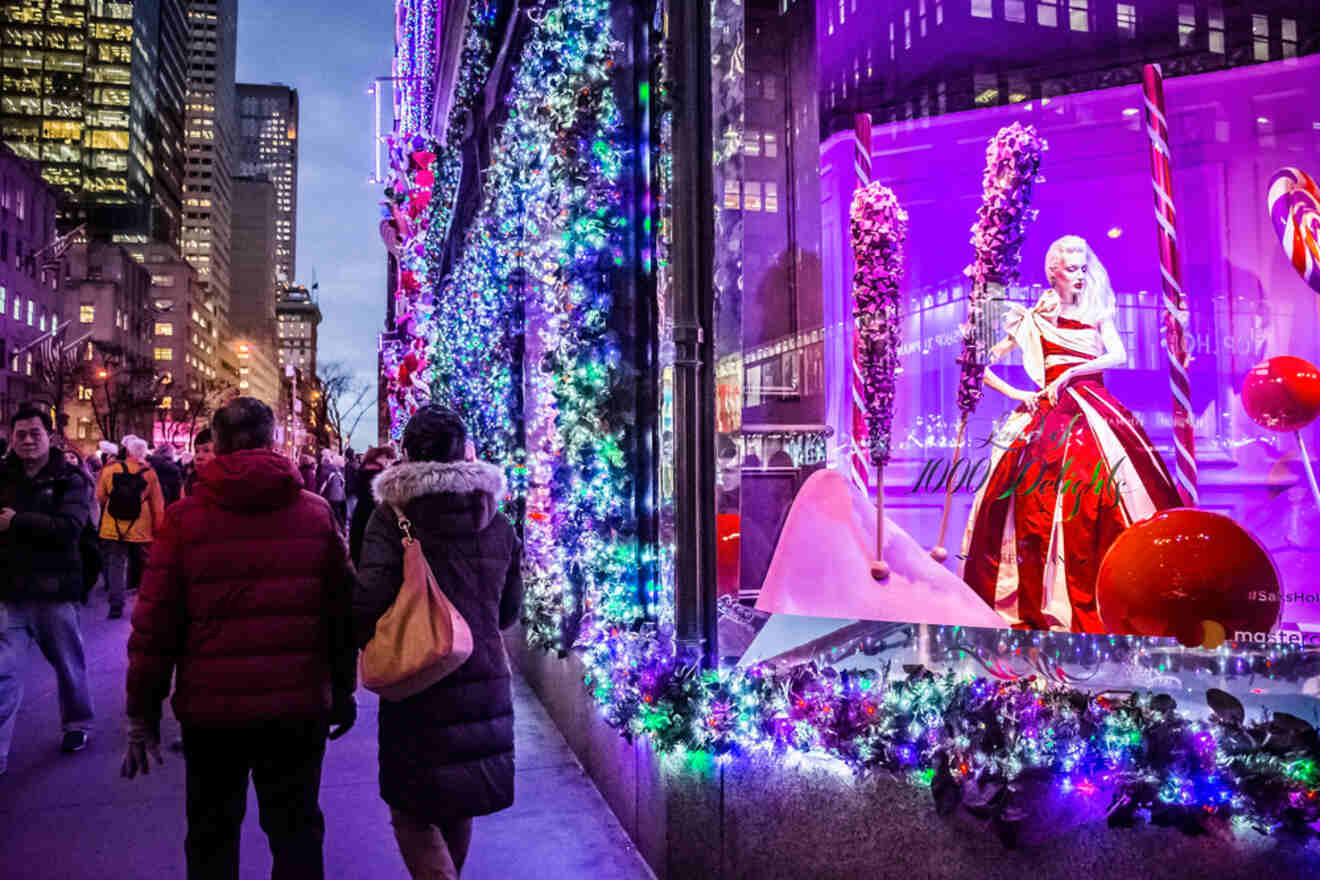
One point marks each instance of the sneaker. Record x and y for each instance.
(115, 614)
(74, 741)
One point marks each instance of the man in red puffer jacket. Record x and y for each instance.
(246, 603)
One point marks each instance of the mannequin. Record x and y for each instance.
(1071, 468)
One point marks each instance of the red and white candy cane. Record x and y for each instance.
(1175, 304)
(859, 466)
(1294, 205)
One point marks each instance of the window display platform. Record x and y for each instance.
(766, 818)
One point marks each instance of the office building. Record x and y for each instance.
(107, 299)
(93, 93)
(254, 290)
(299, 316)
(908, 59)
(29, 307)
(210, 119)
(268, 145)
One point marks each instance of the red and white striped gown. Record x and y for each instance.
(1064, 482)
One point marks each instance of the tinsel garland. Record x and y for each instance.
(1012, 161)
(994, 748)
(879, 229)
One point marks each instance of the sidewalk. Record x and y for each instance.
(71, 817)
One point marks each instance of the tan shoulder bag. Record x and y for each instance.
(421, 638)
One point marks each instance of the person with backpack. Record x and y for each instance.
(246, 605)
(165, 463)
(44, 504)
(132, 507)
(446, 753)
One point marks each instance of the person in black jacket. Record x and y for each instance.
(164, 463)
(44, 507)
(374, 461)
(446, 754)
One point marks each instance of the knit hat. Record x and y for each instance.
(435, 433)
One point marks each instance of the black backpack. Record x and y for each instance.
(126, 491)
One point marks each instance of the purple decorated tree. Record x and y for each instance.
(879, 228)
(1012, 161)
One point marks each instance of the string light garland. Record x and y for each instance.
(533, 284)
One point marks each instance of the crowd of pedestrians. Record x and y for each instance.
(261, 579)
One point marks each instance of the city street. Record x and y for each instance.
(72, 817)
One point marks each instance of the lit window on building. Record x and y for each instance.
(1047, 13)
(907, 33)
(731, 196)
(31, 313)
(1015, 10)
(1079, 15)
(1289, 32)
(772, 197)
(164, 328)
(1127, 20)
(983, 8)
(771, 148)
(752, 142)
(1186, 25)
(1260, 37)
(1216, 21)
(752, 195)
(164, 354)
(921, 17)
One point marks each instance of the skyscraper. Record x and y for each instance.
(252, 300)
(93, 94)
(268, 128)
(210, 120)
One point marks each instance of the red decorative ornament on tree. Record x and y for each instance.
(1282, 393)
(1191, 574)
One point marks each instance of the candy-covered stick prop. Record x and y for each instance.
(1175, 304)
(1012, 161)
(879, 228)
(859, 468)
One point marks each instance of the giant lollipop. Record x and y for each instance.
(1294, 205)
(1283, 394)
(1192, 574)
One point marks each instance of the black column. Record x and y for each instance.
(693, 201)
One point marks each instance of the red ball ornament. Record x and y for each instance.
(1282, 393)
(1190, 574)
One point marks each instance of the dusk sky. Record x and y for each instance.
(330, 51)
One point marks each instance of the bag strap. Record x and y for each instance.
(405, 525)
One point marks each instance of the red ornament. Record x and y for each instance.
(1282, 393)
(408, 280)
(1190, 574)
(422, 159)
(425, 179)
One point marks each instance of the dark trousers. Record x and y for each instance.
(284, 760)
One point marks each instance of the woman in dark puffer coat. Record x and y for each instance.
(446, 754)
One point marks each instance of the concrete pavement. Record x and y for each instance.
(71, 817)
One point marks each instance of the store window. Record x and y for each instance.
(797, 492)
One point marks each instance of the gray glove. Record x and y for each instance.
(143, 744)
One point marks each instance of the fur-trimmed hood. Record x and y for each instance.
(410, 480)
(444, 498)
